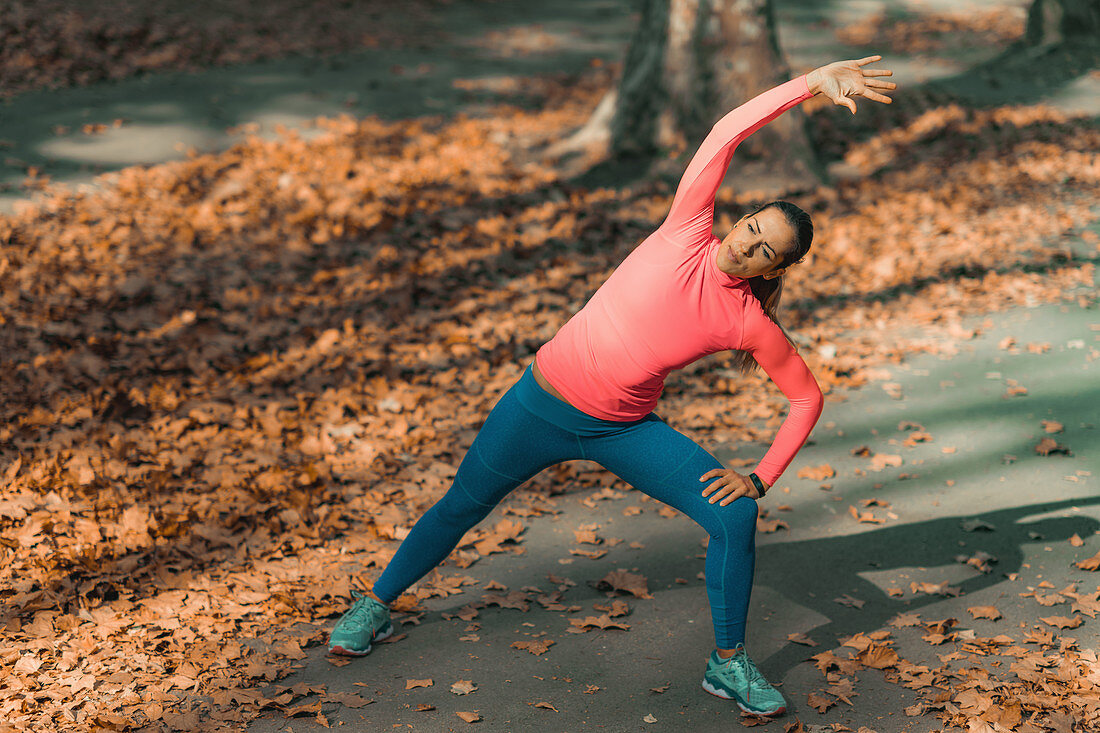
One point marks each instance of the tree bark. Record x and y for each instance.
(1062, 21)
(688, 64)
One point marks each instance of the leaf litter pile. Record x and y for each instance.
(233, 382)
(60, 43)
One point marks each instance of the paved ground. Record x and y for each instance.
(1033, 504)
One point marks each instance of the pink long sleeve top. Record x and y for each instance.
(667, 304)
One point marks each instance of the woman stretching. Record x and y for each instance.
(590, 392)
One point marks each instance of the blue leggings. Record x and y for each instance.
(529, 430)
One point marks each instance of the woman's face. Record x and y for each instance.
(756, 244)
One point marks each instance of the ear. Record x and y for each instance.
(774, 273)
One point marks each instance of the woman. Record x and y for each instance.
(591, 390)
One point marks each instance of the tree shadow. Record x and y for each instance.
(1018, 75)
(814, 572)
(811, 573)
(467, 59)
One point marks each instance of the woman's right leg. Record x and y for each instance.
(662, 462)
(513, 445)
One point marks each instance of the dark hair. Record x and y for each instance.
(768, 292)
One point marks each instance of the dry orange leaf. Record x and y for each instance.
(989, 612)
(767, 526)
(863, 516)
(618, 607)
(820, 701)
(587, 535)
(602, 622)
(626, 582)
(817, 473)
(1047, 446)
(880, 461)
(1092, 563)
(847, 600)
(1062, 622)
(800, 638)
(463, 687)
(535, 647)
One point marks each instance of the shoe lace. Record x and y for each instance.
(754, 674)
(746, 664)
(362, 610)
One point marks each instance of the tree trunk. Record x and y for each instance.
(688, 64)
(1061, 21)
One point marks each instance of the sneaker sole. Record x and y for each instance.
(384, 634)
(726, 696)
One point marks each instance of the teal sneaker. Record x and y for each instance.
(738, 679)
(366, 621)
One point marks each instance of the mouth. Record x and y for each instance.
(731, 255)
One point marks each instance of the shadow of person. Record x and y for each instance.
(814, 572)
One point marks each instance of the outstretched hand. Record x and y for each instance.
(841, 80)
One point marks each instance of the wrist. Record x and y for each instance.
(759, 483)
(813, 81)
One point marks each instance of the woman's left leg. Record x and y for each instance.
(666, 464)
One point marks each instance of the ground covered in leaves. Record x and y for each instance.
(230, 381)
(52, 44)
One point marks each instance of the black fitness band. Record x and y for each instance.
(758, 483)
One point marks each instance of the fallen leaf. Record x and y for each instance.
(817, 473)
(1092, 563)
(535, 647)
(1048, 446)
(880, 461)
(819, 701)
(847, 600)
(988, 612)
(626, 582)
(1063, 622)
(463, 687)
(864, 516)
(602, 622)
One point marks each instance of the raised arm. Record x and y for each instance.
(786, 368)
(691, 218)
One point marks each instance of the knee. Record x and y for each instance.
(747, 509)
(457, 509)
(739, 517)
